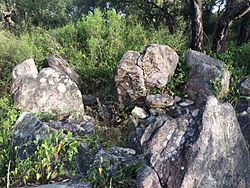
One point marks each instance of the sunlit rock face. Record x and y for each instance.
(46, 91)
(137, 73)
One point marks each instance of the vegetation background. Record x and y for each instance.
(93, 36)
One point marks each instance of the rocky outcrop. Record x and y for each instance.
(62, 66)
(137, 72)
(46, 91)
(193, 146)
(207, 76)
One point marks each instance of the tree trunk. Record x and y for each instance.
(244, 30)
(197, 26)
(232, 12)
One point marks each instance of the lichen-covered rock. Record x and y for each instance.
(207, 76)
(62, 66)
(219, 157)
(136, 72)
(47, 91)
(26, 68)
(245, 87)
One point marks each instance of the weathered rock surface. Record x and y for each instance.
(207, 76)
(219, 158)
(29, 128)
(137, 72)
(62, 66)
(243, 115)
(47, 91)
(147, 178)
(245, 87)
(193, 147)
(26, 68)
(139, 112)
(161, 100)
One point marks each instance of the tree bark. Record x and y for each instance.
(244, 34)
(231, 13)
(197, 25)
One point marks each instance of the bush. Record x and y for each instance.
(96, 43)
(238, 64)
(8, 116)
(38, 44)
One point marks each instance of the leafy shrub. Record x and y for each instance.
(38, 44)
(96, 43)
(8, 116)
(48, 162)
(238, 64)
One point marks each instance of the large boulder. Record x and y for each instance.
(61, 65)
(193, 146)
(207, 76)
(48, 91)
(136, 73)
(219, 157)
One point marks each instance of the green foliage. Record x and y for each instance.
(100, 175)
(238, 63)
(8, 116)
(96, 43)
(38, 44)
(49, 161)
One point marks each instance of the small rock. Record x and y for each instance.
(140, 113)
(161, 100)
(186, 103)
(195, 113)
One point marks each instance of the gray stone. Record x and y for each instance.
(27, 129)
(147, 178)
(219, 157)
(49, 91)
(62, 66)
(187, 102)
(26, 68)
(207, 76)
(245, 87)
(243, 115)
(140, 113)
(161, 100)
(136, 73)
(84, 128)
